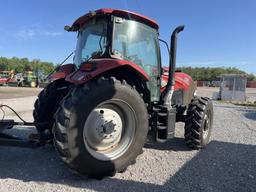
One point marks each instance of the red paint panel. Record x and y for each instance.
(83, 19)
(101, 66)
(182, 81)
(62, 72)
(57, 75)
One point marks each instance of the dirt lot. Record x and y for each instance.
(17, 92)
(228, 163)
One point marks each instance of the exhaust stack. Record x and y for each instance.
(172, 65)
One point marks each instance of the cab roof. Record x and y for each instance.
(116, 12)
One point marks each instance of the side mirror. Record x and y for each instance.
(67, 28)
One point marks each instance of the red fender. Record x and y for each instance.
(62, 72)
(99, 66)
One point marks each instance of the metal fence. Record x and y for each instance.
(233, 87)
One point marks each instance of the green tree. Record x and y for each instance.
(23, 64)
(210, 74)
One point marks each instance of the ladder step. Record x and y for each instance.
(162, 127)
(162, 114)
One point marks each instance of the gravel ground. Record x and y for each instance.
(228, 163)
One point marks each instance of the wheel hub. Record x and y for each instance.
(105, 129)
(109, 129)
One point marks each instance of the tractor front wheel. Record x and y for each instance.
(198, 123)
(101, 127)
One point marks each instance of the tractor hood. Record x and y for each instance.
(182, 81)
(184, 88)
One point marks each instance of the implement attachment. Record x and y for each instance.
(13, 141)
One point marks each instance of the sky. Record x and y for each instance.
(217, 33)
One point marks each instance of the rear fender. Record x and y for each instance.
(100, 66)
(62, 72)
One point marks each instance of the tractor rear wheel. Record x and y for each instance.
(47, 103)
(198, 123)
(101, 127)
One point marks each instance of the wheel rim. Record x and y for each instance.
(206, 126)
(109, 130)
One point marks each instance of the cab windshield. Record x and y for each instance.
(136, 42)
(91, 42)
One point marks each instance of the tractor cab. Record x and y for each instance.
(123, 36)
(128, 40)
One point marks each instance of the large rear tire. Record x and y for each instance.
(101, 127)
(47, 103)
(198, 123)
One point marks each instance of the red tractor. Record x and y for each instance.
(5, 77)
(100, 110)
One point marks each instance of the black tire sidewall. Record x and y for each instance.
(47, 104)
(209, 112)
